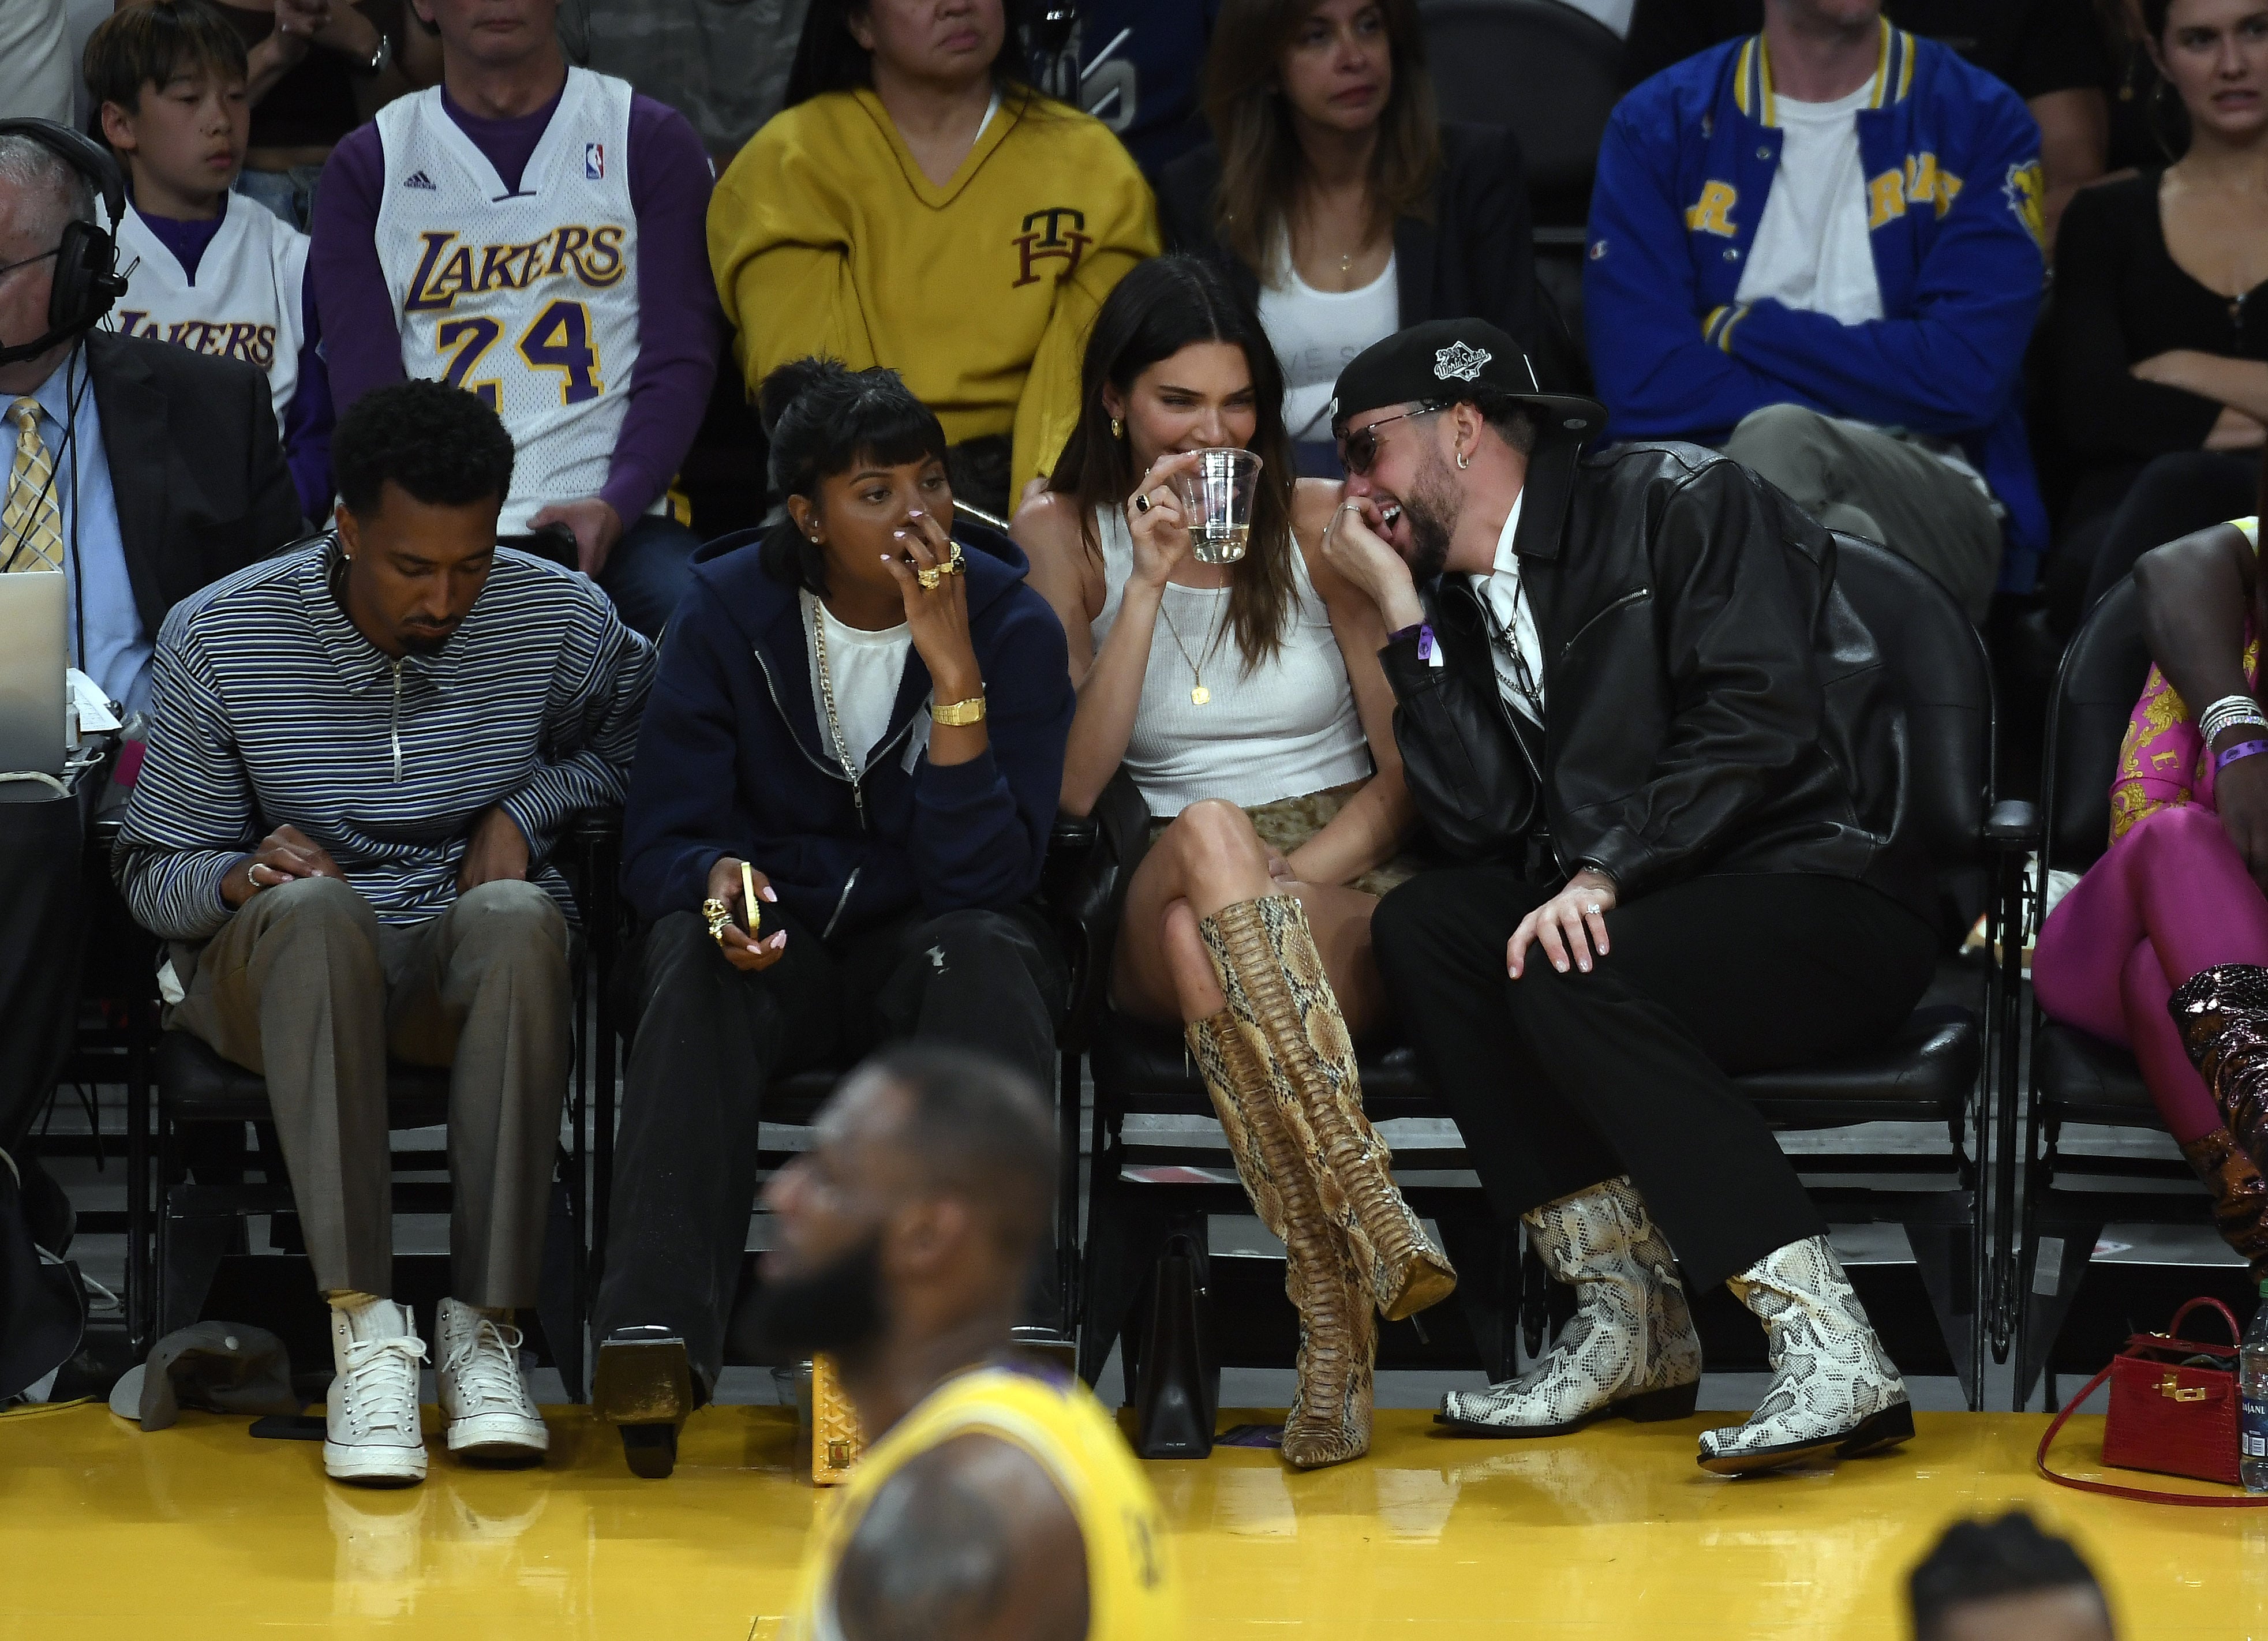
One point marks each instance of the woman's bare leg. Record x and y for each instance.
(1210, 857)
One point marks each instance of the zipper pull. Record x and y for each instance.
(393, 724)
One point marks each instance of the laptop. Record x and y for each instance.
(34, 656)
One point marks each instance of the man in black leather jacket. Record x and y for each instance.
(1632, 705)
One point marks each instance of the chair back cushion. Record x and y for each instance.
(2097, 688)
(1942, 683)
(1549, 72)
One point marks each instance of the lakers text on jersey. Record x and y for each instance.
(247, 301)
(526, 296)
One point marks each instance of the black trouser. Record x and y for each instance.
(709, 1038)
(2122, 512)
(44, 909)
(1560, 1081)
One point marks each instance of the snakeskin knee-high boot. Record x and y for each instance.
(1274, 980)
(1330, 1420)
(2222, 1014)
(2240, 1195)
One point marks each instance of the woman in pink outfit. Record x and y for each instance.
(2179, 891)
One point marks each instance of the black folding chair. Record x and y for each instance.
(2070, 1195)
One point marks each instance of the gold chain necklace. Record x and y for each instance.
(1200, 694)
(827, 695)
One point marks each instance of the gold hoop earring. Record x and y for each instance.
(1117, 428)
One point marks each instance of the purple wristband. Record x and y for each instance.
(1422, 632)
(2243, 749)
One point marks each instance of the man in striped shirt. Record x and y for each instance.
(361, 754)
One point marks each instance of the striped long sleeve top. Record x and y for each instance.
(268, 707)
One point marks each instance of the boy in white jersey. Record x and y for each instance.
(206, 268)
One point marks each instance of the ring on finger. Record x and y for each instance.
(1592, 910)
(1141, 501)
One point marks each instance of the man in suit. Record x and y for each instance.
(142, 472)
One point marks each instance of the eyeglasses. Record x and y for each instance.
(1358, 450)
(7, 269)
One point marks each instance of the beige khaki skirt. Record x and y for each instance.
(1288, 823)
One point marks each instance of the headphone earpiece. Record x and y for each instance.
(87, 282)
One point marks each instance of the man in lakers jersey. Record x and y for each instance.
(534, 233)
(995, 1500)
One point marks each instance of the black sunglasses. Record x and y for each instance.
(1358, 450)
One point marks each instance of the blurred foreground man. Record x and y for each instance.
(995, 1499)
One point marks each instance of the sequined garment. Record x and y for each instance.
(2222, 1014)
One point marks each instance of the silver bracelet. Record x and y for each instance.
(2227, 712)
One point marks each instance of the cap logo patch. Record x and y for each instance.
(1460, 361)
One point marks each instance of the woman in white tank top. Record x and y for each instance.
(1247, 703)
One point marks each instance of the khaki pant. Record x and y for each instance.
(305, 986)
(1870, 484)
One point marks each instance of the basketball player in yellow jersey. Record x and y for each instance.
(995, 1500)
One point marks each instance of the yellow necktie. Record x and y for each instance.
(32, 521)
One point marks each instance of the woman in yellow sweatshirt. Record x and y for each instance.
(915, 207)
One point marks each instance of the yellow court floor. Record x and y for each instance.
(202, 1532)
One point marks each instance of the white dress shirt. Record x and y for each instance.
(1513, 638)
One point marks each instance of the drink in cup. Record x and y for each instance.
(1217, 492)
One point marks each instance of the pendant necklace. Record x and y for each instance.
(1199, 694)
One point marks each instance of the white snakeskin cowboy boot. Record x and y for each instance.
(1629, 1351)
(1834, 1391)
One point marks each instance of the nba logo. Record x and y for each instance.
(594, 161)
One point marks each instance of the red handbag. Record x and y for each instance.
(2173, 1410)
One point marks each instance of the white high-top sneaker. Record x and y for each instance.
(483, 1390)
(1834, 1393)
(1629, 1352)
(371, 1433)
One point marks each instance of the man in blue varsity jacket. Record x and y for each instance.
(1819, 247)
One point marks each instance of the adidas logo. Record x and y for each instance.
(419, 179)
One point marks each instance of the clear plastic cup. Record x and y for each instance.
(1217, 492)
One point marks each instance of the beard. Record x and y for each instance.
(423, 640)
(837, 1308)
(1431, 509)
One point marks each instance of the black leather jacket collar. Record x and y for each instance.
(1712, 703)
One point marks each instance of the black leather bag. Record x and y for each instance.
(1177, 1386)
(1091, 859)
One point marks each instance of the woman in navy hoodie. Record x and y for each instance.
(865, 705)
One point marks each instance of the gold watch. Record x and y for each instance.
(958, 714)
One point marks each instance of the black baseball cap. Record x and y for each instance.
(1442, 362)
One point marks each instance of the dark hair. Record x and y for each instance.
(829, 58)
(823, 419)
(1160, 307)
(442, 445)
(1251, 123)
(979, 1125)
(1978, 1561)
(149, 44)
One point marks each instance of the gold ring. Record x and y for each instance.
(719, 917)
(930, 577)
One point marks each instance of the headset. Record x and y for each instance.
(87, 282)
